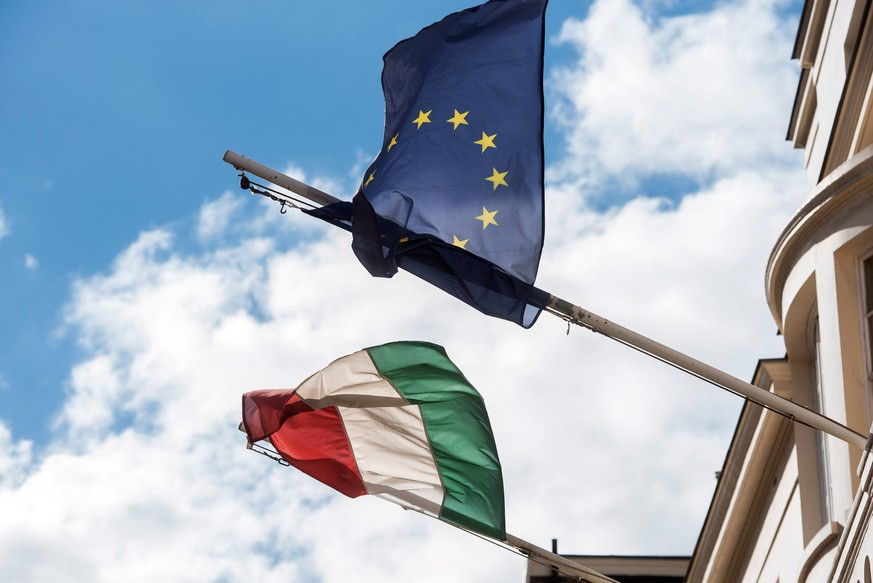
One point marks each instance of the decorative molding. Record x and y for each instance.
(823, 541)
(852, 563)
(846, 186)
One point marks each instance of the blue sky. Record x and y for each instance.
(116, 117)
(122, 232)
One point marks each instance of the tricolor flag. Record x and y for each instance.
(398, 421)
(455, 195)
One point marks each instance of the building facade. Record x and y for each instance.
(624, 569)
(792, 504)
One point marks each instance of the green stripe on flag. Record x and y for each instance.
(457, 425)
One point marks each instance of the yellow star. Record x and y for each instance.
(487, 218)
(393, 142)
(486, 141)
(458, 242)
(422, 118)
(497, 178)
(458, 119)
(370, 178)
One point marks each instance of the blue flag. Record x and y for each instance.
(456, 194)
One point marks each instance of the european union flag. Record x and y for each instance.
(456, 194)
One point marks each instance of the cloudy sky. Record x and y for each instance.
(143, 292)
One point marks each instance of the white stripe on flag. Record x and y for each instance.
(396, 464)
(350, 381)
(387, 434)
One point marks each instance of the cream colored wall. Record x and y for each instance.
(852, 557)
(834, 387)
(779, 544)
(828, 270)
(773, 529)
(784, 537)
(828, 74)
(824, 276)
(737, 534)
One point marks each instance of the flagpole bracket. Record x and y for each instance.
(285, 202)
(244, 182)
(266, 452)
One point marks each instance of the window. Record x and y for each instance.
(827, 503)
(867, 309)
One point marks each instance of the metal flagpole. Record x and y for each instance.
(560, 563)
(531, 551)
(564, 309)
(240, 162)
(763, 397)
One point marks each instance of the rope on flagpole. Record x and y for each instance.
(282, 198)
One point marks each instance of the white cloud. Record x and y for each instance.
(699, 95)
(595, 439)
(4, 225)
(148, 471)
(30, 262)
(215, 215)
(15, 456)
(338, 188)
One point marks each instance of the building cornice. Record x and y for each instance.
(840, 190)
(752, 451)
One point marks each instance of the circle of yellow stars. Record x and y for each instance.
(497, 178)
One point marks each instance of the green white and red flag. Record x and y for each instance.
(398, 421)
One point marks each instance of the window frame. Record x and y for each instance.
(865, 302)
(826, 497)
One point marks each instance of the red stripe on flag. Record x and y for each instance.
(312, 440)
